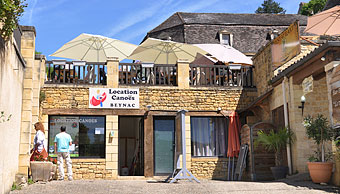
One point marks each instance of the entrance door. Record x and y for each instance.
(164, 135)
(131, 146)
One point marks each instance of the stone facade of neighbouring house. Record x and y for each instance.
(249, 31)
(292, 74)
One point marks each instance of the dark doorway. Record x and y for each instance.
(131, 146)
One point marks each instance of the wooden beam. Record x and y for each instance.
(69, 111)
(315, 66)
(148, 147)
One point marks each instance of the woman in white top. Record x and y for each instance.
(39, 152)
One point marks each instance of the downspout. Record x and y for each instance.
(285, 110)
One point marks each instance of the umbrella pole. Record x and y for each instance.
(229, 168)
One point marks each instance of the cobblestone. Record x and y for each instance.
(133, 186)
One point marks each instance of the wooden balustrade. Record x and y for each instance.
(147, 74)
(71, 73)
(221, 75)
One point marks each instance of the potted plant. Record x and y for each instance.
(318, 129)
(276, 141)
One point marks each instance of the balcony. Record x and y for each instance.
(77, 73)
(221, 76)
(147, 74)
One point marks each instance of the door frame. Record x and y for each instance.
(173, 145)
(141, 138)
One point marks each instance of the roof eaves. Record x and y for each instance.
(175, 14)
(302, 61)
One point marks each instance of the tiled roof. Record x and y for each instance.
(306, 49)
(181, 18)
(304, 59)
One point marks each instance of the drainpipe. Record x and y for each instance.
(285, 110)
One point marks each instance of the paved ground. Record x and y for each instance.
(209, 187)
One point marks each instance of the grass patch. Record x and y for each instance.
(30, 181)
(15, 187)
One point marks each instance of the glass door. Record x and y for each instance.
(164, 135)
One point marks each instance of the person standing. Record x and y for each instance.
(62, 143)
(38, 150)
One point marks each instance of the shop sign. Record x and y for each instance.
(335, 95)
(114, 98)
(307, 85)
(286, 45)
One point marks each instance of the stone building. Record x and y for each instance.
(137, 138)
(280, 88)
(245, 32)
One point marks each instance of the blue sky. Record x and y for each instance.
(59, 21)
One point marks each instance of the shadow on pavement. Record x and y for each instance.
(303, 180)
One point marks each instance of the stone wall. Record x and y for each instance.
(91, 169)
(210, 168)
(65, 98)
(263, 70)
(316, 103)
(11, 84)
(159, 98)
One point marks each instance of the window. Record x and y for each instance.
(209, 136)
(226, 38)
(87, 132)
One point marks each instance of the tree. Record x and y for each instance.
(313, 7)
(270, 6)
(10, 11)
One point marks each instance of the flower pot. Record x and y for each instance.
(320, 172)
(279, 172)
(41, 171)
(54, 172)
(336, 175)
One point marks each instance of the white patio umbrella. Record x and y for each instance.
(164, 51)
(224, 53)
(94, 48)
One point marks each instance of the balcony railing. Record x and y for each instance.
(134, 74)
(221, 75)
(147, 74)
(75, 73)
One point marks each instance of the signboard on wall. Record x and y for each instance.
(114, 98)
(335, 95)
(286, 45)
(307, 85)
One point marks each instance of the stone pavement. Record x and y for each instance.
(142, 187)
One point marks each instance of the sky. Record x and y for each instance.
(59, 21)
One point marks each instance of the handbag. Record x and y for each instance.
(37, 154)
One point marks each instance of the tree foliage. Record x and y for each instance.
(10, 11)
(270, 6)
(313, 7)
